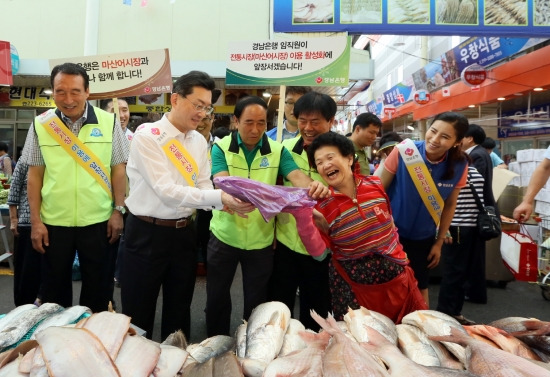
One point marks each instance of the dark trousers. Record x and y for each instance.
(27, 268)
(223, 259)
(95, 265)
(458, 261)
(417, 252)
(292, 270)
(156, 256)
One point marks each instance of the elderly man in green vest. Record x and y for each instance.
(76, 189)
(247, 153)
(293, 267)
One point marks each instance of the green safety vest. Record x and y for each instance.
(70, 195)
(286, 223)
(253, 232)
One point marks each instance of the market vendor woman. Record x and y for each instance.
(368, 267)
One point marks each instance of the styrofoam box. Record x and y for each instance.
(538, 154)
(542, 208)
(543, 195)
(525, 155)
(516, 181)
(527, 168)
(514, 167)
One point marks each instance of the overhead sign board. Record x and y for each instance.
(297, 62)
(127, 74)
(420, 17)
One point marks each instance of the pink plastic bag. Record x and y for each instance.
(272, 200)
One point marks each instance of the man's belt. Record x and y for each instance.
(172, 223)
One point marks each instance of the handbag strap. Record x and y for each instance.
(474, 193)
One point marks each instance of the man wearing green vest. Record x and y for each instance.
(76, 183)
(365, 129)
(293, 267)
(247, 153)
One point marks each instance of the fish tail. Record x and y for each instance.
(455, 337)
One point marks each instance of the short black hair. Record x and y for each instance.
(332, 139)
(489, 143)
(366, 119)
(315, 102)
(104, 102)
(70, 69)
(244, 102)
(185, 84)
(477, 133)
(221, 132)
(3, 147)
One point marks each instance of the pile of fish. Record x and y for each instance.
(427, 343)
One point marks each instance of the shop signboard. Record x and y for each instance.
(473, 75)
(398, 94)
(532, 122)
(420, 17)
(375, 106)
(125, 74)
(30, 97)
(296, 62)
(6, 77)
(389, 110)
(422, 97)
(476, 50)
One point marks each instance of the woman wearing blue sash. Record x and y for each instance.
(423, 206)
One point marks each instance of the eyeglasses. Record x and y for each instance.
(200, 108)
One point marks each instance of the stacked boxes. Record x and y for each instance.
(527, 161)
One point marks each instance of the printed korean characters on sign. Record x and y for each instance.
(125, 74)
(319, 61)
(481, 50)
(30, 97)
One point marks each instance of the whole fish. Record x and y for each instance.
(226, 365)
(398, 363)
(240, 338)
(359, 318)
(414, 344)
(75, 352)
(504, 341)
(211, 347)
(138, 356)
(265, 333)
(522, 326)
(62, 318)
(305, 362)
(20, 325)
(170, 362)
(292, 340)
(14, 313)
(435, 323)
(487, 361)
(344, 357)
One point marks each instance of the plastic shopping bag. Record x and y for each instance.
(519, 254)
(270, 200)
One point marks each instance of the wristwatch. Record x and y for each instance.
(120, 209)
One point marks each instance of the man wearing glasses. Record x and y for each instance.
(290, 125)
(169, 175)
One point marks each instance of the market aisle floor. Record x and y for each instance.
(517, 299)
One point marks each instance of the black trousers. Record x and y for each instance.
(203, 233)
(292, 270)
(95, 265)
(223, 259)
(27, 268)
(157, 256)
(459, 261)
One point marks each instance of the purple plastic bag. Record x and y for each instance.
(270, 200)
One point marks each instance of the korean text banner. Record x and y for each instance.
(127, 74)
(297, 62)
(519, 18)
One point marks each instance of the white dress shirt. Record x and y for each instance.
(157, 188)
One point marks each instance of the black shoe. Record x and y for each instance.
(475, 301)
(463, 320)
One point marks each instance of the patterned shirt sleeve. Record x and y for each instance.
(121, 146)
(34, 156)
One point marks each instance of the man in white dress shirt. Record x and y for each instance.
(169, 175)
